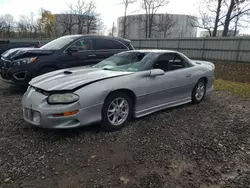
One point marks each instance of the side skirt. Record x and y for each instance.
(161, 107)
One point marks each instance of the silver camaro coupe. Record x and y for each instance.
(126, 85)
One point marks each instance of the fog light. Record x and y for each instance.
(36, 117)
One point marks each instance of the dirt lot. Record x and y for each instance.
(239, 72)
(205, 146)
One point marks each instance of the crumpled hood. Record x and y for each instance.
(18, 53)
(70, 79)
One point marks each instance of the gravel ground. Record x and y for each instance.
(205, 146)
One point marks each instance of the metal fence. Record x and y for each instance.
(41, 40)
(229, 49)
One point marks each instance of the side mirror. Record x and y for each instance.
(156, 72)
(72, 49)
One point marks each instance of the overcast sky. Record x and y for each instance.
(109, 9)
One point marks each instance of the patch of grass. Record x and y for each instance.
(242, 89)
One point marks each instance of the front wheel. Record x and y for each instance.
(199, 91)
(116, 112)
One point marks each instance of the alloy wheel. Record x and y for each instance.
(118, 111)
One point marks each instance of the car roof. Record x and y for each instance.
(98, 36)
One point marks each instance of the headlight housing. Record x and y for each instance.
(26, 60)
(64, 98)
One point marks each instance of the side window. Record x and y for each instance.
(163, 62)
(83, 44)
(104, 44)
(137, 57)
(177, 63)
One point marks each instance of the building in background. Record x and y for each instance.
(164, 26)
(66, 24)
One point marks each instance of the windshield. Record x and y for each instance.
(58, 43)
(125, 61)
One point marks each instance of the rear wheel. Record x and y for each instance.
(199, 91)
(116, 112)
(45, 70)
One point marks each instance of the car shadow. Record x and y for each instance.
(56, 134)
(92, 129)
(13, 90)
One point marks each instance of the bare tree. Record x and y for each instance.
(112, 30)
(240, 22)
(236, 10)
(210, 16)
(6, 25)
(204, 22)
(151, 7)
(124, 21)
(66, 20)
(226, 14)
(91, 17)
(100, 27)
(80, 10)
(164, 25)
(27, 27)
(217, 17)
(85, 13)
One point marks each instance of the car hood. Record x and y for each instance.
(72, 79)
(19, 53)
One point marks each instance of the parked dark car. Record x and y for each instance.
(20, 65)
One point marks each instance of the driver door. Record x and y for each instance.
(84, 55)
(172, 87)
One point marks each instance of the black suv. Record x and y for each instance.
(20, 65)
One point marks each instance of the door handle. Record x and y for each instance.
(92, 55)
(188, 75)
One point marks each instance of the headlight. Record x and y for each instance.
(24, 61)
(63, 98)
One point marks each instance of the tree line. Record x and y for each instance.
(82, 18)
(79, 18)
(226, 15)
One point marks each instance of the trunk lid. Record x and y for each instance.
(206, 63)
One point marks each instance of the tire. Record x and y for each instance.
(109, 104)
(199, 91)
(45, 70)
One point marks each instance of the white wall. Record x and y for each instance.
(136, 25)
